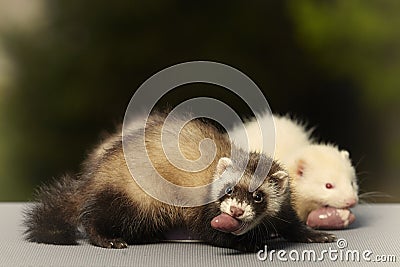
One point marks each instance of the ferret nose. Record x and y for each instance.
(351, 203)
(236, 212)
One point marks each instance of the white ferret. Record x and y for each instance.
(321, 174)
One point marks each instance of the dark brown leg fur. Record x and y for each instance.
(112, 220)
(296, 231)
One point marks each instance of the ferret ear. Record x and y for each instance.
(281, 179)
(345, 154)
(300, 166)
(223, 163)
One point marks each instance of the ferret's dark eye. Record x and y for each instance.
(258, 197)
(229, 191)
(328, 186)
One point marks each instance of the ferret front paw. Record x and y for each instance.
(247, 248)
(319, 237)
(113, 243)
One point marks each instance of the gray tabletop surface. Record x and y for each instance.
(374, 237)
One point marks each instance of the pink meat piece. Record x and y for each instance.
(330, 218)
(225, 223)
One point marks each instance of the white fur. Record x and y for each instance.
(248, 214)
(323, 163)
(289, 135)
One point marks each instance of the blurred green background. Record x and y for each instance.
(69, 68)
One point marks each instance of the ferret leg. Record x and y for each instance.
(104, 219)
(101, 240)
(299, 232)
(112, 220)
(305, 234)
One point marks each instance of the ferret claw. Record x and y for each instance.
(115, 243)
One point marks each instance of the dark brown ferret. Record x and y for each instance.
(107, 206)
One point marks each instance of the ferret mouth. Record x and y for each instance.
(229, 224)
(334, 206)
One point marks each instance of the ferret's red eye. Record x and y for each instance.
(328, 185)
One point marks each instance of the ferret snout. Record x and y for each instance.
(236, 212)
(351, 202)
(239, 210)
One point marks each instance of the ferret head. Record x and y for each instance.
(324, 176)
(247, 208)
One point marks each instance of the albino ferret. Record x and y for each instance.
(323, 180)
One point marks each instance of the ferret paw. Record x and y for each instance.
(247, 247)
(320, 237)
(113, 243)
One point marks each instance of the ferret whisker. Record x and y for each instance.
(359, 161)
(363, 173)
(273, 226)
(361, 180)
(368, 197)
(375, 194)
(254, 237)
(264, 225)
(276, 217)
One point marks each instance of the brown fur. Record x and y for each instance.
(105, 174)
(114, 210)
